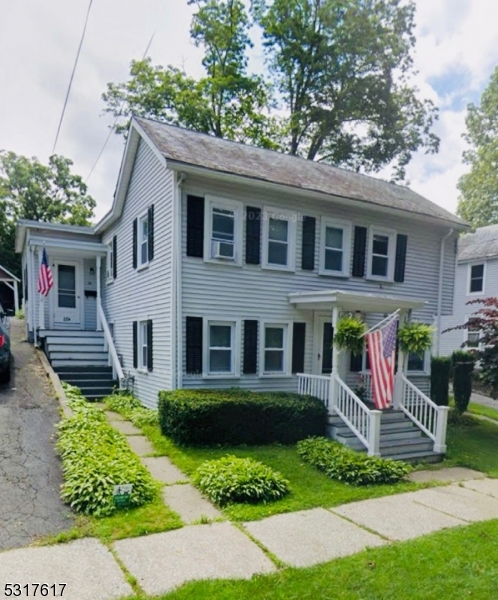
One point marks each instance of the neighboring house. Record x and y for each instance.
(9, 291)
(224, 265)
(476, 278)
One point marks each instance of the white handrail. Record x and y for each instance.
(314, 385)
(110, 343)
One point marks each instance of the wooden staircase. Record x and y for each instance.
(80, 358)
(400, 438)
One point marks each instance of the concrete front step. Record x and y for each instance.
(395, 434)
(76, 333)
(81, 355)
(56, 363)
(414, 457)
(75, 348)
(67, 340)
(80, 371)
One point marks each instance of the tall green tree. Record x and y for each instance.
(228, 102)
(31, 190)
(478, 203)
(342, 68)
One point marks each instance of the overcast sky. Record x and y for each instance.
(456, 53)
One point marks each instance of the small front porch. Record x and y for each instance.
(414, 428)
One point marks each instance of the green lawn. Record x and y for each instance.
(452, 564)
(481, 409)
(474, 445)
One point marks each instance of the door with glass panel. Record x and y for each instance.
(66, 299)
(324, 334)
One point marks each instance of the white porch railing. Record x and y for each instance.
(109, 344)
(426, 414)
(314, 385)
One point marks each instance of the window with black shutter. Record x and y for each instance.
(253, 235)
(193, 341)
(250, 358)
(135, 234)
(400, 263)
(298, 347)
(150, 232)
(195, 226)
(359, 251)
(308, 244)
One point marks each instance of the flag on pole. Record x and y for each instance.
(381, 345)
(45, 279)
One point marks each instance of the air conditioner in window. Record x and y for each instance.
(224, 250)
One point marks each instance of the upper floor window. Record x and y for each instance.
(143, 240)
(381, 254)
(279, 234)
(335, 247)
(223, 236)
(476, 279)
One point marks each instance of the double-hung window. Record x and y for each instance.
(473, 334)
(143, 240)
(221, 348)
(381, 254)
(335, 251)
(417, 363)
(223, 231)
(476, 279)
(110, 262)
(279, 235)
(275, 349)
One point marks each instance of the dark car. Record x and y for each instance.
(4, 347)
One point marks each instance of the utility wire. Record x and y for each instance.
(72, 75)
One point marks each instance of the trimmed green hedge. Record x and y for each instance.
(440, 379)
(234, 416)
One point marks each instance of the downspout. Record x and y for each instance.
(440, 291)
(176, 301)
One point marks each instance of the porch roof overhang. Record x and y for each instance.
(354, 301)
(70, 247)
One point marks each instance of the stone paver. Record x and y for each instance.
(140, 445)
(114, 416)
(309, 537)
(126, 427)
(450, 475)
(163, 561)
(459, 502)
(484, 486)
(30, 470)
(397, 517)
(162, 469)
(189, 503)
(86, 566)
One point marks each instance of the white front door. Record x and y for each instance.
(67, 300)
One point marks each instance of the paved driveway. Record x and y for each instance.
(30, 473)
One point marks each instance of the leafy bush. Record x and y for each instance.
(349, 334)
(20, 314)
(95, 458)
(463, 367)
(339, 462)
(131, 408)
(415, 337)
(232, 479)
(231, 417)
(440, 379)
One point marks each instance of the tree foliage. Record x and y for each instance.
(338, 75)
(478, 203)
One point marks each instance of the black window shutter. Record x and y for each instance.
(253, 235)
(150, 222)
(135, 227)
(250, 362)
(356, 363)
(195, 226)
(149, 345)
(308, 247)
(399, 265)
(135, 344)
(359, 251)
(298, 346)
(114, 257)
(194, 345)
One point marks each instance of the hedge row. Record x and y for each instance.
(234, 416)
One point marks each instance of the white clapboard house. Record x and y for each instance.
(223, 265)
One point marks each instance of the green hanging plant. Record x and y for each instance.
(415, 338)
(349, 334)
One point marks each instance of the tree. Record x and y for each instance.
(478, 203)
(227, 102)
(342, 68)
(32, 190)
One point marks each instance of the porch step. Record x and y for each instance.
(84, 371)
(81, 362)
(94, 382)
(76, 333)
(416, 457)
(72, 339)
(76, 347)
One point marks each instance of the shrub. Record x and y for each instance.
(440, 379)
(231, 417)
(339, 462)
(349, 334)
(463, 367)
(20, 314)
(232, 479)
(95, 458)
(131, 408)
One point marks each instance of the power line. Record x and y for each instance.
(72, 75)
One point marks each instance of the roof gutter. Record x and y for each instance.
(440, 291)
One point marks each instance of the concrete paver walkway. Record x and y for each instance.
(450, 475)
(162, 469)
(140, 444)
(188, 502)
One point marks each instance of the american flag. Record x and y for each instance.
(381, 352)
(45, 279)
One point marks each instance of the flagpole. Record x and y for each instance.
(388, 318)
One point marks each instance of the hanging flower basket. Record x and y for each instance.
(415, 338)
(349, 334)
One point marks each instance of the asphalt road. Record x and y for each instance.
(30, 471)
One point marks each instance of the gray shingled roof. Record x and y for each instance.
(198, 149)
(481, 244)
